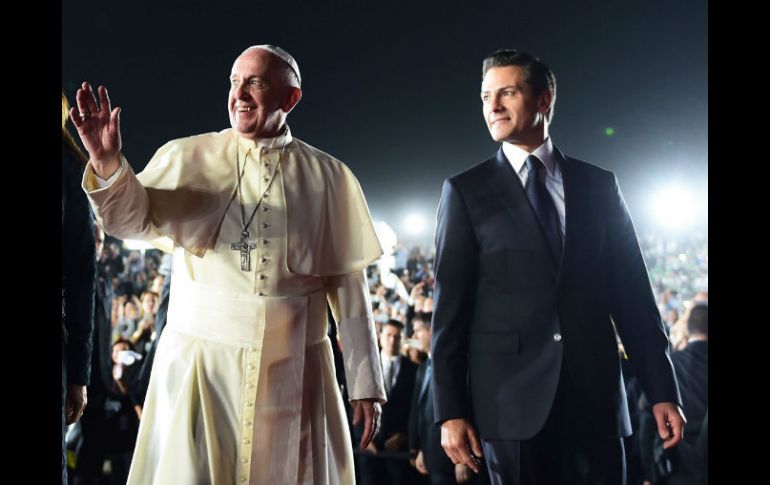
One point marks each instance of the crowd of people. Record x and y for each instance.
(133, 285)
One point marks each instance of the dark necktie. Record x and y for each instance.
(543, 205)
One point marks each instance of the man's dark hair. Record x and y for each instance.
(699, 319)
(425, 318)
(394, 323)
(537, 74)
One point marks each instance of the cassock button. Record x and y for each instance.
(557, 337)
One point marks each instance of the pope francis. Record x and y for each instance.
(265, 231)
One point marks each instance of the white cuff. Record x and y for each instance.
(106, 183)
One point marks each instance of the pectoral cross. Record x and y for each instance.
(245, 247)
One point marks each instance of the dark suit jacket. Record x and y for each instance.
(692, 368)
(395, 412)
(142, 383)
(101, 360)
(77, 276)
(424, 434)
(692, 365)
(507, 310)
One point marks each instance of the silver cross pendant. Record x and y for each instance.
(245, 247)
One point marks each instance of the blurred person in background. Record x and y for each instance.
(399, 374)
(122, 412)
(424, 435)
(96, 438)
(78, 256)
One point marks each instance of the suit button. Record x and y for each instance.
(557, 337)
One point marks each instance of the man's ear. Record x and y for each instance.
(295, 94)
(545, 101)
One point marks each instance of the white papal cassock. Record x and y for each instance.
(243, 388)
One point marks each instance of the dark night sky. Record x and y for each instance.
(392, 89)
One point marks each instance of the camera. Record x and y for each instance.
(128, 357)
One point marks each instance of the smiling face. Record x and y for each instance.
(512, 111)
(259, 99)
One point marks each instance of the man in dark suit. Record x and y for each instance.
(692, 367)
(536, 257)
(96, 437)
(424, 435)
(386, 466)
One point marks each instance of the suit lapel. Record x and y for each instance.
(506, 186)
(575, 197)
(567, 179)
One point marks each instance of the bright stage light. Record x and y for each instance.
(414, 224)
(675, 208)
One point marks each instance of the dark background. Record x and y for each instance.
(392, 89)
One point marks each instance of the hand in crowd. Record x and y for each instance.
(419, 463)
(416, 296)
(147, 324)
(75, 403)
(463, 473)
(395, 442)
